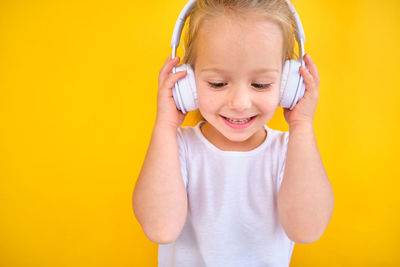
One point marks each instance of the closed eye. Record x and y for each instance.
(216, 85)
(256, 85)
(261, 86)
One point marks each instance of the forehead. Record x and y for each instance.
(234, 41)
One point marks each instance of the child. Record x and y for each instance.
(231, 191)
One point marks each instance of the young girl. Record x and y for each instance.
(232, 191)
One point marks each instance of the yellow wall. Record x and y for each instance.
(78, 84)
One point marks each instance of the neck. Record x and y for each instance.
(223, 143)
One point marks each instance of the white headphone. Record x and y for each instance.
(292, 84)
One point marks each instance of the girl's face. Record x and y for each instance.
(238, 70)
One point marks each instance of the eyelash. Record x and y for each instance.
(257, 85)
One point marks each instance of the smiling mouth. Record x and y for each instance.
(239, 121)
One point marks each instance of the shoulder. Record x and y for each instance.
(188, 137)
(278, 138)
(186, 131)
(186, 134)
(189, 133)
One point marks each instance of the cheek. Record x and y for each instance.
(207, 99)
(269, 102)
(201, 94)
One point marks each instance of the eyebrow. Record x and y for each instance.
(262, 70)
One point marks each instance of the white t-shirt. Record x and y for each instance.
(232, 215)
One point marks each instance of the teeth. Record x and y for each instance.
(238, 121)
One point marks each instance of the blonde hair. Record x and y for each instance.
(277, 11)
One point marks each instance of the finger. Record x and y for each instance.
(308, 78)
(167, 68)
(169, 64)
(311, 86)
(166, 61)
(312, 67)
(173, 78)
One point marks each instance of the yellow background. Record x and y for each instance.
(78, 86)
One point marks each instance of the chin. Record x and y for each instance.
(237, 137)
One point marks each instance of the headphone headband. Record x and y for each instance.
(176, 36)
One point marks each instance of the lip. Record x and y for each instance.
(239, 126)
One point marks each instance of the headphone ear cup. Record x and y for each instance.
(185, 91)
(292, 85)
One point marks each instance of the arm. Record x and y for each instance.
(305, 199)
(159, 198)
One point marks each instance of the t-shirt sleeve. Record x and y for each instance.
(285, 137)
(182, 156)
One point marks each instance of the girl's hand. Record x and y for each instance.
(304, 110)
(166, 107)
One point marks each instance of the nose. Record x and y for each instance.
(239, 99)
